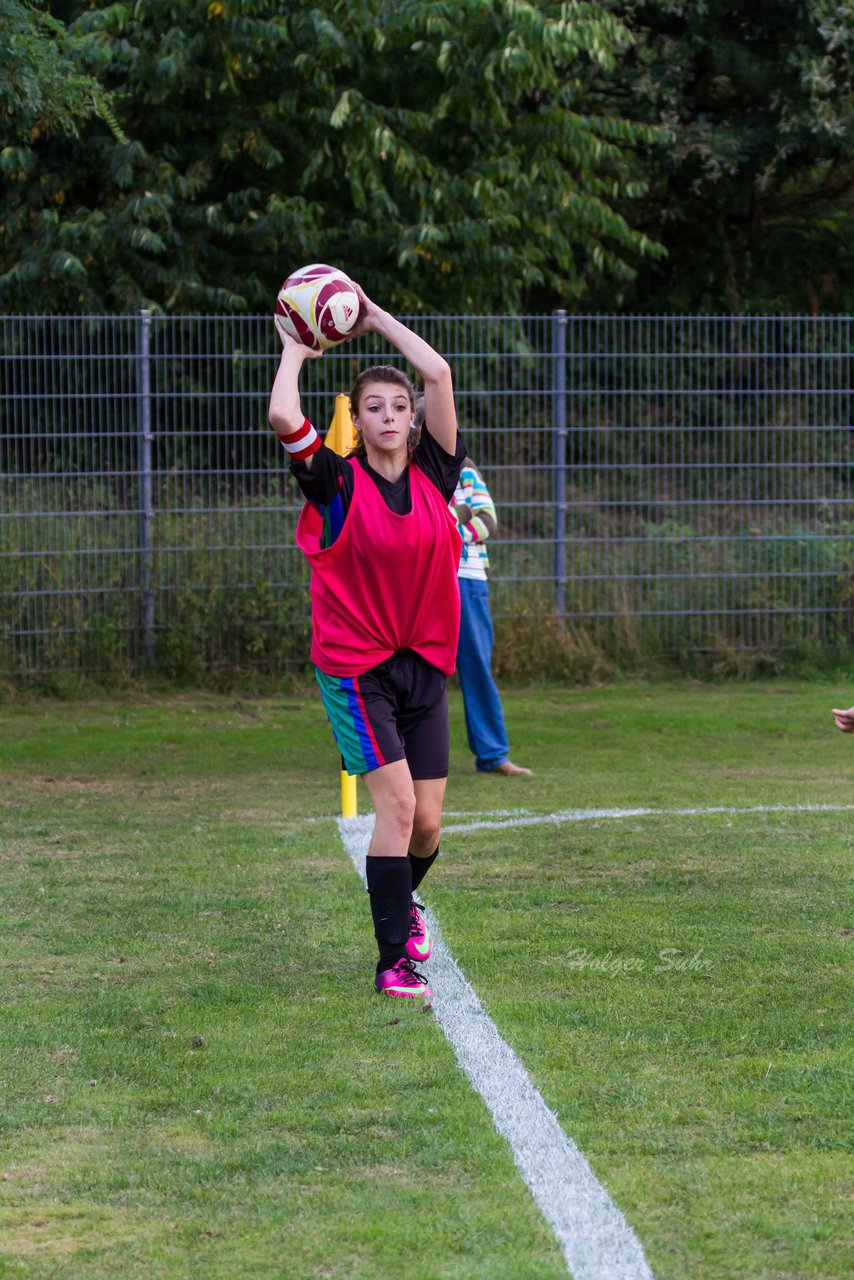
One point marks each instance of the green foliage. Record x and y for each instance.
(42, 88)
(471, 156)
(446, 153)
(753, 193)
(533, 644)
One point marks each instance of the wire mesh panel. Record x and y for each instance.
(662, 483)
(227, 585)
(710, 492)
(69, 565)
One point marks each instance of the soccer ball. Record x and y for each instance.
(318, 305)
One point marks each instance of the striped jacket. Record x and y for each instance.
(475, 512)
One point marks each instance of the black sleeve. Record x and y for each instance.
(323, 481)
(440, 467)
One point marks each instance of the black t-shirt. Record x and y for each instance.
(331, 476)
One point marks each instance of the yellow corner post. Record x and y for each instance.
(349, 804)
(341, 437)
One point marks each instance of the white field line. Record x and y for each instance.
(596, 1240)
(591, 815)
(485, 813)
(457, 813)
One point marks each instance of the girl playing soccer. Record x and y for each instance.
(384, 551)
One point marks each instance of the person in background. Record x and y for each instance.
(844, 719)
(485, 728)
(476, 521)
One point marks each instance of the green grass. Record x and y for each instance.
(197, 1082)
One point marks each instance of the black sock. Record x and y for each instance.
(420, 867)
(390, 889)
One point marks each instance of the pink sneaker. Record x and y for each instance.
(418, 944)
(402, 980)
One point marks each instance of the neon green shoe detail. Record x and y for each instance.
(418, 944)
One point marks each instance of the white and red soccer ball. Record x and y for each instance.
(318, 305)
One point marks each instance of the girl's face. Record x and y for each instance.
(384, 417)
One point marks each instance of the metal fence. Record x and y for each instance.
(664, 484)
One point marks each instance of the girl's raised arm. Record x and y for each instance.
(285, 412)
(439, 409)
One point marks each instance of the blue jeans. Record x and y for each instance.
(487, 736)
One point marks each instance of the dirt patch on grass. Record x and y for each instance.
(54, 1233)
(275, 818)
(383, 1172)
(30, 1176)
(56, 1155)
(123, 783)
(72, 785)
(177, 1141)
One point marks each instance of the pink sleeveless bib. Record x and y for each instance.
(388, 582)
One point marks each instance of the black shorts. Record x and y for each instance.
(398, 710)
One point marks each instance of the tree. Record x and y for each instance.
(42, 88)
(441, 150)
(753, 193)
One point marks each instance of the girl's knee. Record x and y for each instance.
(400, 809)
(425, 831)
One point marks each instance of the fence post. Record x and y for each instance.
(146, 513)
(559, 460)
